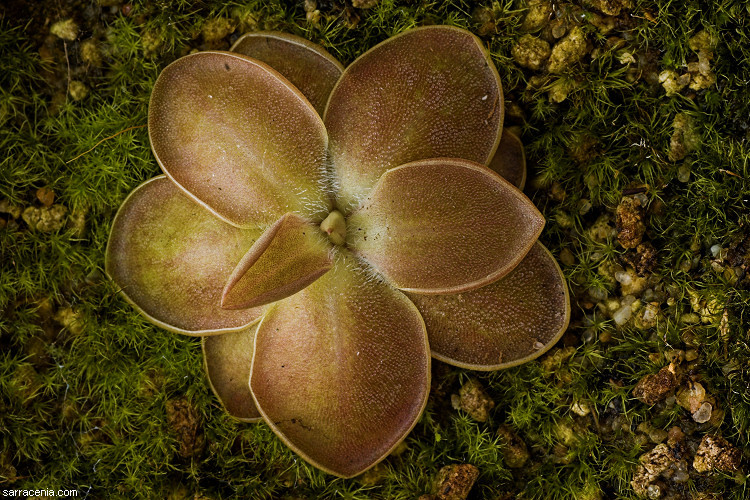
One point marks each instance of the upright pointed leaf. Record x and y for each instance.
(306, 64)
(505, 323)
(341, 369)
(171, 257)
(290, 255)
(443, 226)
(510, 160)
(426, 93)
(227, 359)
(239, 138)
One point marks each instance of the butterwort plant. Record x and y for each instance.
(328, 230)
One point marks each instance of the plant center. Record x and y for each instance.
(335, 227)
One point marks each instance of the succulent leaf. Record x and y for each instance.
(171, 257)
(287, 257)
(239, 138)
(510, 159)
(505, 323)
(341, 369)
(426, 93)
(443, 225)
(227, 359)
(306, 64)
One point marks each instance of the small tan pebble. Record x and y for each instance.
(601, 230)
(656, 387)
(610, 7)
(564, 219)
(691, 355)
(715, 452)
(313, 17)
(557, 192)
(703, 41)
(78, 90)
(6, 207)
(46, 196)
(685, 138)
(184, 420)
(515, 452)
(648, 316)
(90, 53)
(217, 29)
(151, 42)
(643, 259)
(371, 476)
(630, 282)
(604, 24)
(364, 4)
(663, 462)
(629, 222)
(531, 52)
(703, 413)
(700, 79)
(454, 482)
(45, 219)
(568, 51)
(691, 397)
(567, 257)
(67, 29)
(77, 222)
(484, 18)
(555, 358)
(558, 28)
(580, 408)
(71, 319)
(399, 449)
(673, 82)
(675, 435)
(537, 16)
(473, 399)
(560, 90)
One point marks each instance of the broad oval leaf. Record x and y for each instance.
(306, 64)
(503, 324)
(443, 225)
(227, 359)
(239, 138)
(510, 160)
(426, 93)
(288, 256)
(341, 370)
(171, 258)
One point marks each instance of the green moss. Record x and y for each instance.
(87, 409)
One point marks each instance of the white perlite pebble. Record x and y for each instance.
(703, 414)
(67, 29)
(623, 277)
(716, 250)
(622, 315)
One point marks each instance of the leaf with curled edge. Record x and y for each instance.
(443, 225)
(503, 324)
(287, 257)
(341, 370)
(306, 64)
(171, 258)
(426, 93)
(239, 138)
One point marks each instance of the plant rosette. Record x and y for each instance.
(327, 231)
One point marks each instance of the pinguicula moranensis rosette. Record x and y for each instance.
(328, 230)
